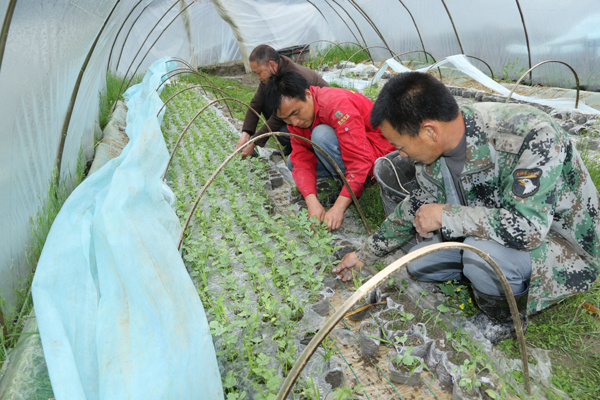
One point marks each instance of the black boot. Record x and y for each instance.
(494, 319)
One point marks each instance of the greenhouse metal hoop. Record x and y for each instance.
(157, 39)
(117, 36)
(71, 106)
(416, 27)
(526, 37)
(146, 39)
(328, 41)
(236, 152)
(453, 26)
(4, 33)
(373, 25)
(129, 32)
(180, 71)
(351, 19)
(191, 69)
(372, 283)
(338, 45)
(203, 87)
(200, 112)
(537, 65)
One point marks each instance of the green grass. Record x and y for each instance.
(572, 334)
(331, 55)
(40, 226)
(111, 95)
(370, 202)
(229, 87)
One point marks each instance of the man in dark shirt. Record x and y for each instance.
(265, 61)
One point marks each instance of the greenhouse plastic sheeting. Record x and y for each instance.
(47, 44)
(118, 314)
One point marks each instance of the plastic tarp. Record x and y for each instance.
(118, 314)
(461, 63)
(49, 40)
(47, 44)
(492, 31)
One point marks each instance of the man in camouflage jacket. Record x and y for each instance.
(523, 186)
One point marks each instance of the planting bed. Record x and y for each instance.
(264, 276)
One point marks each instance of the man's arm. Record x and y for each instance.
(395, 231)
(527, 196)
(304, 172)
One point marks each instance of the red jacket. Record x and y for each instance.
(360, 145)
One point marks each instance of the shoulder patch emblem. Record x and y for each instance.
(526, 182)
(342, 118)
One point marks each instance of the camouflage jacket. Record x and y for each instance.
(524, 184)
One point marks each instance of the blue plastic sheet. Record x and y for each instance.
(118, 315)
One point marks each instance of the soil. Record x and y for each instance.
(457, 358)
(414, 340)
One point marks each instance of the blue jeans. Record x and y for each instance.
(324, 136)
(448, 265)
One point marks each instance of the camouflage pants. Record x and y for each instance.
(453, 264)
(558, 271)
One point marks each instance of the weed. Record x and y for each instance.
(111, 95)
(458, 297)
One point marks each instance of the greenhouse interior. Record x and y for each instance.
(174, 229)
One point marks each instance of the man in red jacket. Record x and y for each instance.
(336, 119)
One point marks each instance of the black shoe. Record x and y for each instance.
(494, 320)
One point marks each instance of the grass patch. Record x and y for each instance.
(228, 88)
(40, 226)
(111, 95)
(572, 334)
(370, 202)
(333, 54)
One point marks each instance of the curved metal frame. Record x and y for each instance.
(351, 19)
(370, 21)
(203, 88)
(200, 112)
(71, 106)
(363, 49)
(415, 24)
(156, 40)
(118, 33)
(129, 32)
(4, 33)
(344, 21)
(372, 283)
(526, 37)
(545, 62)
(453, 26)
(328, 41)
(248, 143)
(142, 45)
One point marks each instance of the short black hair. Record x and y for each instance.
(284, 83)
(263, 53)
(410, 98)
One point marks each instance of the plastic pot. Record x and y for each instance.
(402, 374)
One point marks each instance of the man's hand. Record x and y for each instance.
(315, 209)
(428, 219)
(335, 216)
(249, 150)
(348, 267)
